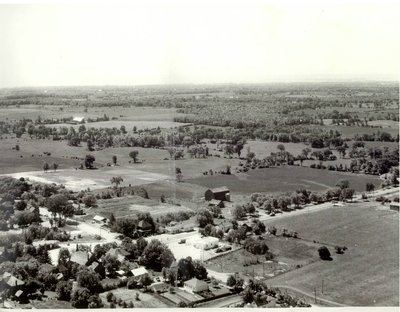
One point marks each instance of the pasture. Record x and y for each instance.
(284, 179)
(368, 272)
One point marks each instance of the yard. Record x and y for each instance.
(367, 273)
(146, 300)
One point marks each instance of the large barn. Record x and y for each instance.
(219, 193)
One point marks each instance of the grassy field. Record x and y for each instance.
(284, 179)
(146, 300)
(368, 272)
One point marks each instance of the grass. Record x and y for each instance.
(367, 274)
(284, 179)
(146, 300)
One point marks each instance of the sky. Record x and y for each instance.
(198, 42)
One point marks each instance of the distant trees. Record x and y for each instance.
(117, 181)
(229, 150)
(58, 204)
(369, 187)
(134, 155)
(342, 184)
(89, 200)
(114, 159)
(54, 166)
(324, 253)
(256, 246)
(89, 160)
(46, 166)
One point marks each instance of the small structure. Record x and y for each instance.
(140, 271)
(159, 287)
(195, 285)
(203, 243)
(144, 227)
(220, 193)
(50, 244)
(216, 203)
(394, 206)
(78, 120)
(99, 219)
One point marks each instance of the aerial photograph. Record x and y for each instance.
(199, 154)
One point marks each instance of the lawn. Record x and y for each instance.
(146, 300)
(367, 274)
(284, 179)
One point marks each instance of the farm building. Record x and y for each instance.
(159, 287)
(203, 243)
(99, 219)
(220, 193)
(139, 272)
(216, 203)
(394, 206)
(195, 285)
(78, 120)
(144, 226)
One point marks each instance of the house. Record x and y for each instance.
(394, 206)
(140, 271)
(220, 193)
(98, 268)
(50, 244)
(159, 287)
(119, 253)
(78, 120)
(195, 285)
(203, 243)
(144, 226)
(99, 219)
(216, 203)
(46, 268)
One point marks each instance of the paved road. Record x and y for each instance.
(221, 302)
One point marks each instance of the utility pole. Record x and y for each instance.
(315, 294)
(322, 285)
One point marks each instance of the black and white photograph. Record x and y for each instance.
(199, 154)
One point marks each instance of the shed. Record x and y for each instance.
(216, 203)
(139, 272)
(144, 226)
(78, 119)
(220, 193)
(195, 285)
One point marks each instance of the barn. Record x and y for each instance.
(220, 193)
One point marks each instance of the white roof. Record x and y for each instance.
(99, 218)
(139, 271)
(78, 118)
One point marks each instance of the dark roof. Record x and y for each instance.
(144, 224)
(222, 189)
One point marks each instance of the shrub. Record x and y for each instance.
(109, 296)
(324, 253)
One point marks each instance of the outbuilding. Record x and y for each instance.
(220, 193)
(195, 285)
(394, 206)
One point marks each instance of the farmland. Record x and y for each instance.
(123, 186)
(370, 232)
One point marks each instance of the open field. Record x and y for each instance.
(284, 179)
(368, 272)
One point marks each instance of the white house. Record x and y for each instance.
(140, 271)
(99, 219)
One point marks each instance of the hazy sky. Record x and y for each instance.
(150, 42)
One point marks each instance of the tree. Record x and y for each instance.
(134, 155)
(117, 181)
(248, 296)
(114, 159)
(89, 160)
(89, 200)
(157, 255)
(46, 166)
(89, 280)
(111, 264)
(63, 290)
(346, 194)
(324, 253)
(90, 145)
(200, 272)
(238, 212)
(54, 166)
(95, 302)
(229, 150)
(204, 217)
(145, 280)
(58, 204)
(370, 187)
(64, 256)
(179, 175)
(80, 298)
(342, 184)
